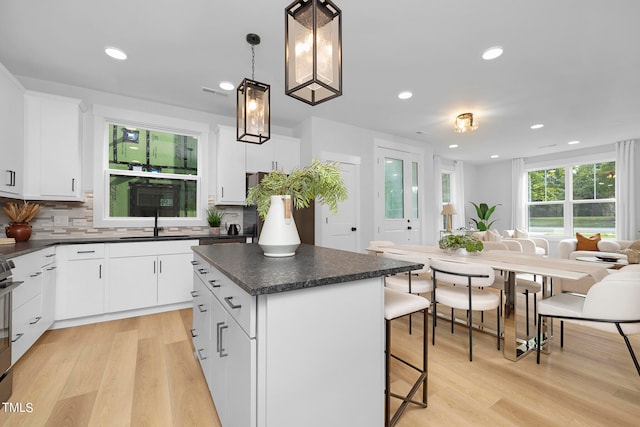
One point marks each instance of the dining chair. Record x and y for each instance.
(610, 305)
(413, 282)
(466, 293)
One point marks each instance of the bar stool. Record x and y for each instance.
(398, 304)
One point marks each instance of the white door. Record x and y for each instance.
(340, 231)
(399, 196)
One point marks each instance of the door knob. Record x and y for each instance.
(408, 227)
(353, 229)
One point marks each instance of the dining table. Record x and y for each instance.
(516, 345)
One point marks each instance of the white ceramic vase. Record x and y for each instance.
(279, 235)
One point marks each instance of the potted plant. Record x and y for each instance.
(20, 217)
(455, 242)
(214, 218)
(484, 212)
(278, 193)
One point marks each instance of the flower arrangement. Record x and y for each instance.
(461, 241)
(24, 213)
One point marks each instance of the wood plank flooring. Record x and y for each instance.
(141, 372)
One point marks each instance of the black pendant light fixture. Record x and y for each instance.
(313, 51)
(252, 109)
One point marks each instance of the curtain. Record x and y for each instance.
(437, 188)
(626, 227)
(518, 194)
(459, 220)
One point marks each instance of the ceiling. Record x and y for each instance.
(572, 65)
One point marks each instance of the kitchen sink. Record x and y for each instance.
(165, 237)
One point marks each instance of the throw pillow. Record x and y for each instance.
(480, 235)
(608, 246)
(521, 234)
(507, 234)
(587, 243)
(492, 236)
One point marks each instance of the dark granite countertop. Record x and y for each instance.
(22, 248)
(312, 266)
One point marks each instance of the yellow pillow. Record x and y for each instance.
(587, 243)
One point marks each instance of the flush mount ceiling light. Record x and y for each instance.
(405, 95)
(537, 126)
(253, 103)
(453, 146)
(224, 85)
(464, 123)
(313, 51)
(492, 53)
(115, 53)
(573, 142)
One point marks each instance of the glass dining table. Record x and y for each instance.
(516, 344)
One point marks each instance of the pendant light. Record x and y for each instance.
(313, 51)
(252, 108)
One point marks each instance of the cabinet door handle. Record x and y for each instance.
(194, 294)
(231, 304)
(51, 268)
(18, 336)
(213, 283)
(194, 263)
(221, 327)
(193, 333)
(160, 267)
(200, 354)
(202, 310)
(202, 270)
(100, 271)
(218, 336)
(35, 274)
(85, 252)
(49, 256)
(73, 184)
(36, 320)
(222, 189)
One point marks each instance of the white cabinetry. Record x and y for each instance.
(52, 133)
(32, 300)
(231, 174)
(11, 134)
(278, 153)
(146, 274)
(81, 279)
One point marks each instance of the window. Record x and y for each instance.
(148, 164)
(570, 199)
(446, 195)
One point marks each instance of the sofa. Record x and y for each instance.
(567, 249)
(527, 245)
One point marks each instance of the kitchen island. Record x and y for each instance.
(292, 341)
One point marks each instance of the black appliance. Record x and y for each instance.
(7, 284)
(234, 229)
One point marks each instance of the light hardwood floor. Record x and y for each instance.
(141, 372)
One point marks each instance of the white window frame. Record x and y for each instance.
(567, 165)
(103, 117)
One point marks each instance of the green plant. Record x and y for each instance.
(484, 212)
(214, 217)
(459, 241)
(319, 180)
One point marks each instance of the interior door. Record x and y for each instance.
(340, 231)
(399, 196)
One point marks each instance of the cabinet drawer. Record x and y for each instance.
(31, 286)
(25, 327)
(238, 303)
(88, 251)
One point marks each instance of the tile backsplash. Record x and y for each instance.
(74, 220)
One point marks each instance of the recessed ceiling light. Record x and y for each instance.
(537, 126)
(405, 95)
(492, 53)
(115, 53)
(573, 142)
(494, 156)
(225, 85)
(453, 146)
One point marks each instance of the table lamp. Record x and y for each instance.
(448, 210)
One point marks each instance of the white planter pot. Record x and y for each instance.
(279, 236)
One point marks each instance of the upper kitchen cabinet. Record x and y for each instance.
(53, 147)
(278, 153)
(11, 134)
(231, 180)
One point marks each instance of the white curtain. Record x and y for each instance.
(458, 195)
(437, 188)
(626, 227)
(518, 194)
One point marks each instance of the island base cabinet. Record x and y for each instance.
(322, 360)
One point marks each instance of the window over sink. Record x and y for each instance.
(148, 164)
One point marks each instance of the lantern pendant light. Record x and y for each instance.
(253, 103)
(313, 51)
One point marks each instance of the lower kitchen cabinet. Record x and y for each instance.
(132, 282)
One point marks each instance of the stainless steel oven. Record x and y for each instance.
(6, 286)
